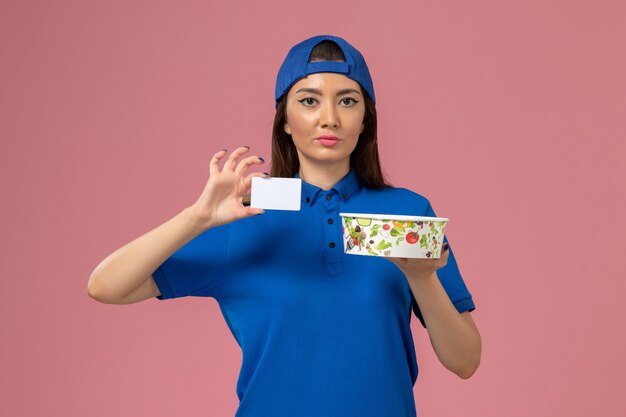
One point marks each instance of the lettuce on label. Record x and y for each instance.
(382, 245)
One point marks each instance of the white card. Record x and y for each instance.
(276, 193)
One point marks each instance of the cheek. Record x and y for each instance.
(298, 124)
(357, 128)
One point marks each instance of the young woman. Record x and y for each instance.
(322, 333)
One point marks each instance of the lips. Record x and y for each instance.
(330, 137)
(328, 142)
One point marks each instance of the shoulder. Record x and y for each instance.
(397, 200)
(400, 194)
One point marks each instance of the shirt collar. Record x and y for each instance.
(346, 187)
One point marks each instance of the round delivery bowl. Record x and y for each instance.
(396, 236)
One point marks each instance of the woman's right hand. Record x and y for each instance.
(221, 201)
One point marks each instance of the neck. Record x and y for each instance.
(323, 177)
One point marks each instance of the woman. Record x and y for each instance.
(322, 333)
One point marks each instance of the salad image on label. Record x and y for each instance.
(393, 235)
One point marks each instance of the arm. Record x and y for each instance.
(454, 336)
(125, 276)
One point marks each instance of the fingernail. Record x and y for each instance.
(225, 150)
(262, 212)
(445, 246)
(261, 159)
(246, 146)
(266, 174)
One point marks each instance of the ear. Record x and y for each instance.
(287, 129)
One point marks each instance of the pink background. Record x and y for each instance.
(110, 112)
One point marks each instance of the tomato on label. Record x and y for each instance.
(412, 238)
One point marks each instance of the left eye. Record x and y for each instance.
(349, 101)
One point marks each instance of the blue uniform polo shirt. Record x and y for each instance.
(322, 333)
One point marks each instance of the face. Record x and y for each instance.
(325, 104)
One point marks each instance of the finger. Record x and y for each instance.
(214, 168)
(446, 246)
(245, 163)
(445, 254)
(247, 182)
(253, 211)
(231, 162)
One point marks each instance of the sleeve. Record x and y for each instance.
(197, 268)
(451, 280)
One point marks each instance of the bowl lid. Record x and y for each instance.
(395, 217)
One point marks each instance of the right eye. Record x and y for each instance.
(308, 101)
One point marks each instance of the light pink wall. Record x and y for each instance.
(110, 111)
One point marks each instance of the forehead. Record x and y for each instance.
(325, 81)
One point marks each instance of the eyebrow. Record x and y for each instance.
(319, 93)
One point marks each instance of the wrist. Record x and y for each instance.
(422, 278)
(198, 222)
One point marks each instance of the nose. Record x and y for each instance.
(329, 116)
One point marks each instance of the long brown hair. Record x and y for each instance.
(364, 157)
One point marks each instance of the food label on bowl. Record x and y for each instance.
(394, 238)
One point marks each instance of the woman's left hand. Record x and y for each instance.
(417, 268)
